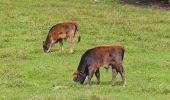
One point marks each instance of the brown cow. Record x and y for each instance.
(58, 33)
(102, 56)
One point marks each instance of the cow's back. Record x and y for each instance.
(102, 55)
(62, 27)
(100, 51)
(61, 30)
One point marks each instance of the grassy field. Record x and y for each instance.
(26, 72)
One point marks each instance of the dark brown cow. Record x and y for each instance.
(58, 33)
(102, 56)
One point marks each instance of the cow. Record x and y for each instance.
(101, 56)
(60, 32)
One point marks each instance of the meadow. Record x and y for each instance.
(27, 73)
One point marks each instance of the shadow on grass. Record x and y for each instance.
(75, 84)
(117, 83)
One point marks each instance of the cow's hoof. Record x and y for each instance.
(113, 85)
(124, 85)
(98, 83)
(71, 51)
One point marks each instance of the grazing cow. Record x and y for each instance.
(58, 33)
(102, 56)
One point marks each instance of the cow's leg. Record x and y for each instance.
(114, 75)
(97, 74)
(61, 45)
(122, 73)
(71, 38)
(71, 44)
(90, 75)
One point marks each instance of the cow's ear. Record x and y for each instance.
(74, 73)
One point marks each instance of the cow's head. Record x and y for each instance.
(46, 47)
(79, 77)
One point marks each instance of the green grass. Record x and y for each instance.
(26, 72)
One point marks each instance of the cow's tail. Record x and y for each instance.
(79, 37)
(123, 51)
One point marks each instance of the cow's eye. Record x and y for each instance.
(78, 79)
